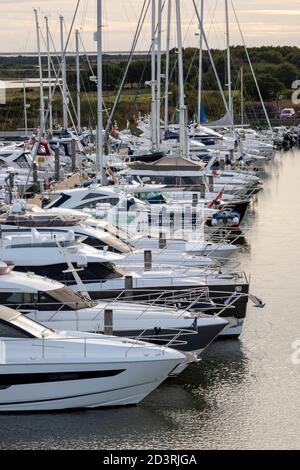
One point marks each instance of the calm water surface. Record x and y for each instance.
(243, 394)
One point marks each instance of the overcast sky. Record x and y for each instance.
(264, 22)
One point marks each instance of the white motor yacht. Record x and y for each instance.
(41, 369)
(57, 306)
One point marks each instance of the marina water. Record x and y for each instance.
(244, 394)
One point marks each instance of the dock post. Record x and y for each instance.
(202, 190)
(56, 159)
(73, 152)
(162, 241)
(211, 183)
(148, 260)
(35, 177)
(128, 288)
(108, 322)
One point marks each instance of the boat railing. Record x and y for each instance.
(203, 274)
(170, 297)
(110, 303)
(173, 264)
(167, 340)
(149, 298)
(57, 311)
(186, 300)
(196, 298)
(160, 299)
(46, 346)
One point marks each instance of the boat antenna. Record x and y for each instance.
(71, 269)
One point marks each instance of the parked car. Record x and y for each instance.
(287, 113)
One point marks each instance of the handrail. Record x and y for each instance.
(174, 340)
(51, 343)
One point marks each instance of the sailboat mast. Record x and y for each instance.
(25, 110)
(200, 84)
(230, 102)
(158, 75)
(64, 74)
(101, 176)
(182, 107)
(78, 81)
(153, 79)
(49, 76)
(42, 104)
(242, 96)
(167, 74)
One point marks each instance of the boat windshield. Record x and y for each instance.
(33, 328)
(66, 296)
(107, 239)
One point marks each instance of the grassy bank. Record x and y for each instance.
(132, 102)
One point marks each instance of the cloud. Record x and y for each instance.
(274, 12)
(279, 24)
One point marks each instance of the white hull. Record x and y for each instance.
(128, 388)
(233, 330)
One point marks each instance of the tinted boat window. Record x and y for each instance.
(10, 331)
(11, 298)
(63, 198)
(22, 162)
(94, 196)
(96, 272)
(93, 204)
(17, 300)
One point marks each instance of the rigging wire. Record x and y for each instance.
(251, 66)
(41, 131)
(57, 77)
(142, 17)
(91, 68)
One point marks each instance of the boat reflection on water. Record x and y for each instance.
(224, 361)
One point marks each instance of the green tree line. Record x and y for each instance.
(276, 68)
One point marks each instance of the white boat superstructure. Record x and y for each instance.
(57, 306)
(21, 219)
(41, 249)
(201, 248)
(18, 157)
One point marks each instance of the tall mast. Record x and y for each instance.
(169, 14)
(101, 176)
(78, 81)
(49, 76)
(25, 110)
(200, 84)
(230, 103)
(42, 104)
(182, 107)
(242, 96)
(64, 75)
(153, 80)
(158, 79)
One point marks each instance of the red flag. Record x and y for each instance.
(219, 196)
